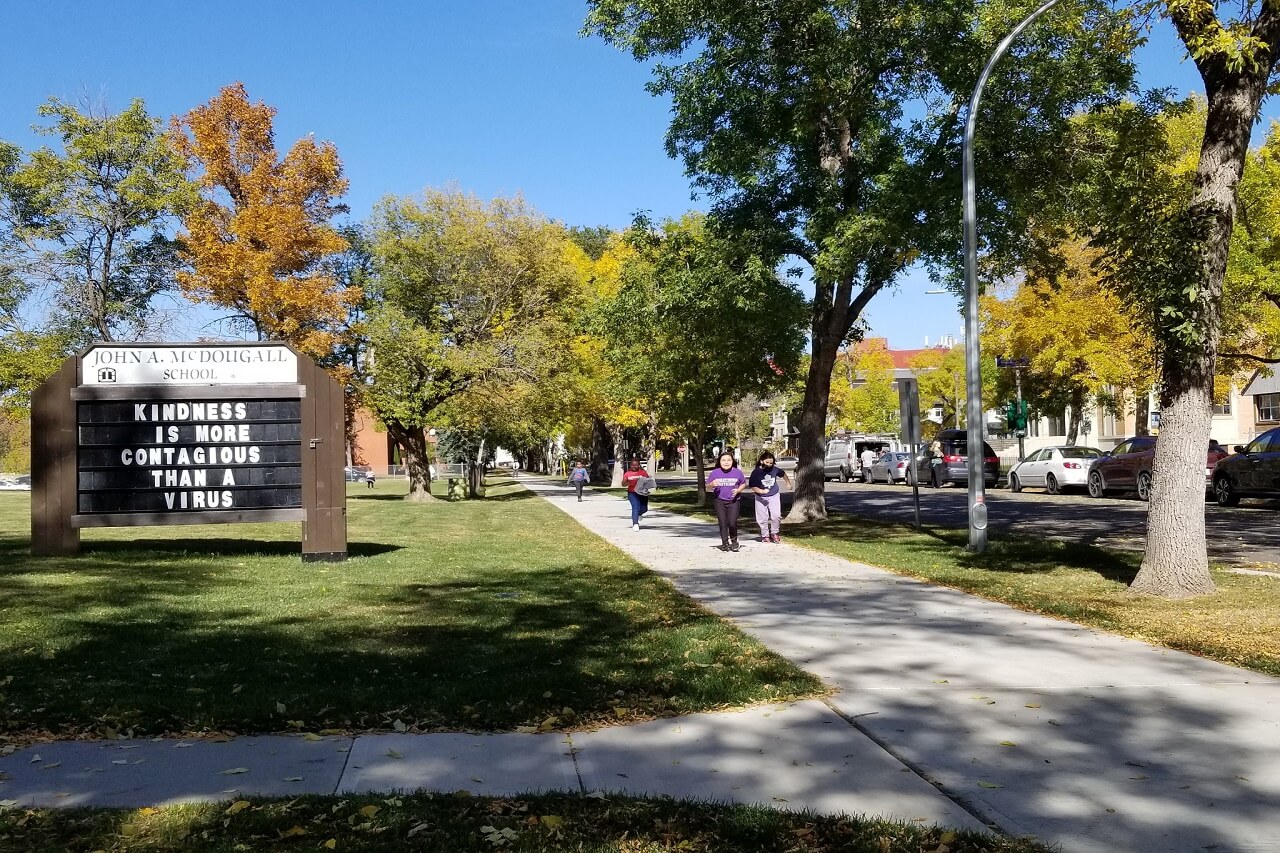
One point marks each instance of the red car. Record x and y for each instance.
(1128, 468)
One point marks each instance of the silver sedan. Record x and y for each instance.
(1054, 469)
(891, 467)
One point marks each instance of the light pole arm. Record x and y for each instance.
(972, 350)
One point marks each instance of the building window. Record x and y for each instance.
(1224, 409)
(1268, 407)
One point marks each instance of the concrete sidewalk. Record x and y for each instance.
(1041, 727)
(950, 710)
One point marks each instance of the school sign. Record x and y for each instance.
(149, 434)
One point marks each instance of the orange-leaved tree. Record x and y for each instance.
(257, 239)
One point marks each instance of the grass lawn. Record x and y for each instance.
(473, 615)
(456, 822)
(1240, 624)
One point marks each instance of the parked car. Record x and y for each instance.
(955, 460)
(355, 474)
(1253, 471)
(843, 455)
(788, 463)
(1054, 469)
(1128, 468)
(892, 467)
(20, 483)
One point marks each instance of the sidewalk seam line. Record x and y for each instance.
(961, 801)
(573, 756)
(345, 761)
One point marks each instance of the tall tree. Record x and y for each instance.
(1168, 245)
(702, 320)
(834, 126)
(467, 294)
(87, 224)
(257, 240)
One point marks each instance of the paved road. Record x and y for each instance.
(1247, 535)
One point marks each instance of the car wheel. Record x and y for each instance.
(1015, 485)
(1144, 486)
(1224, 493)
(1096, 488)
(1051, 485)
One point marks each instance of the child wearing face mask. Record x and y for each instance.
(764, 484)
(726, 481)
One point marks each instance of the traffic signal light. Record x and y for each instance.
(1011, 414)
(1021, 423)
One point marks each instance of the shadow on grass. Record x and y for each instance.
(220, 547)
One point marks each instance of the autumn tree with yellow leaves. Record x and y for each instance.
(1079, 337)
(257, 240)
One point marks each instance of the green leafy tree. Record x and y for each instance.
(467, 295)
(833, 126)
(701, 320)
(88, 223)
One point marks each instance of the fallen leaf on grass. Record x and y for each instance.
(985, 784)
(1032, 705)
(1007, 743)
(237, 807)
(370, 811)
(391, 753)
(421, 827)
(526, 730)
(311, 736)
(280, 709)
(293, 778)
(293, 832)
(331, 844)
(235, 770)
(399, 726)
(552, 821)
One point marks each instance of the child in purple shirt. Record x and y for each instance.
(727, 481)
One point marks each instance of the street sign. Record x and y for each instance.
(1013, 362)
(909, 410)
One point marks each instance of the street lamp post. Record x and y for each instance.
(972, 351)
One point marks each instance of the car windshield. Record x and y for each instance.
(1081, 452)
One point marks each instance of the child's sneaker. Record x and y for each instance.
(775, 539)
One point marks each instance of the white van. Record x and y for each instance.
(843, 456)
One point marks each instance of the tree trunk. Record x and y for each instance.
(809, 503)
(619, 464)
(1176, 562)
(696, 446)
(413, 443)
(1077, 414)
(1142, 412)
(599, 451)
(475, 473)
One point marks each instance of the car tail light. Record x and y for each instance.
(901, 465)
(1072, 465)
(953, 458)
(995, 459)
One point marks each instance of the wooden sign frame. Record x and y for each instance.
(58, 513)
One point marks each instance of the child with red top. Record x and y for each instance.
(727, 481)
(639, 503)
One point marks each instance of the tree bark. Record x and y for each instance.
(619, 464)
(809, 503)
(1176, 561)
(1142, 412)
(413, 443)
(1077, 414)
(695, 445)
(599, 451)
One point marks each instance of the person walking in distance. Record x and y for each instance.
(935, 464)
(726, 482)
(764, 485)
(578, 477)
(639, 501)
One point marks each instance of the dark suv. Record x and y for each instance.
(1128, 468)
(1253, 471)
(955, 460)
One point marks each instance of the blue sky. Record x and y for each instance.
(495, 97)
